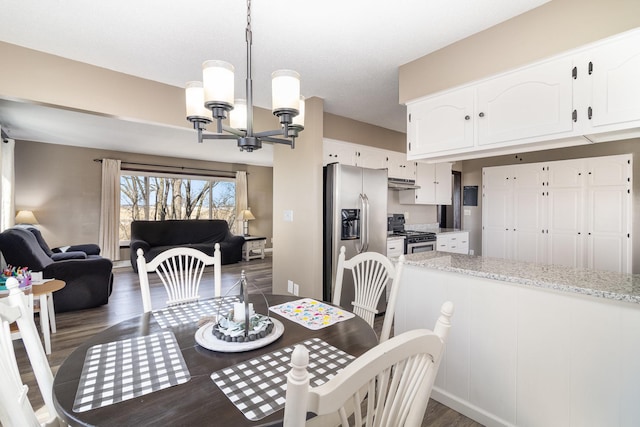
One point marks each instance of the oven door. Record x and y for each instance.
(414, 248)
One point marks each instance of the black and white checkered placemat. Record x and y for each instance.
(122, 370)
(258, 386)
(181, 314)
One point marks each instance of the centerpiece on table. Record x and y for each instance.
(241, 329)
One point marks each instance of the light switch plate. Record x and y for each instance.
(288, 216)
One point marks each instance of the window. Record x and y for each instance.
(157, 196)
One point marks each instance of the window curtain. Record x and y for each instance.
(7, 187)
(109, 238)
(241, 198)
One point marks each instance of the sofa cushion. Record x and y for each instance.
(68, 255)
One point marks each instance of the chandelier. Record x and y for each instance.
(213, 98)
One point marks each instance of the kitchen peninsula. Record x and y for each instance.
(531, 344)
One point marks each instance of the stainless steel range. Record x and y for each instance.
(415, 241)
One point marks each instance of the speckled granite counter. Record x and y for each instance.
(603, 284)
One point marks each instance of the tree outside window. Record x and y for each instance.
(157, 197)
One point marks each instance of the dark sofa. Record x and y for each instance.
(88, 278)
(154, 237)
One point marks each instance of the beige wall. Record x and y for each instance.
(552, 28)
(61, 185)
(472, 175)
(297, 186)
(355, 132)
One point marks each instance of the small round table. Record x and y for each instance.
(44, 292)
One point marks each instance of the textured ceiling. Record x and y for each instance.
(347, 52)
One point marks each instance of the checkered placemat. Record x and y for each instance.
(122, 370)
(258, 386)
(181, 314)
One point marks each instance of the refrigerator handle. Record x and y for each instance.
(366, 221)
(360, 246)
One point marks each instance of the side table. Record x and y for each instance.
(253, 247)
(44, 292)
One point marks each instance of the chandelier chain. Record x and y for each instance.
(248, 15)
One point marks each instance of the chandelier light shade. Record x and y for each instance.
(238, 116)
(195, 102)
(26, 217)
(213, 100)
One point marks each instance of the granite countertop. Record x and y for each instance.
(602, 284)
(394, 237)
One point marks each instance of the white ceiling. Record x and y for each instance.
(347, 52)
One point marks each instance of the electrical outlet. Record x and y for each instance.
(290, 286)
(467, 212)
(471, 252)
(296, 289)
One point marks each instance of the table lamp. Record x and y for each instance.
(26, 218)
(245, 217)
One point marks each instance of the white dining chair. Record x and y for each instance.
(395, 377)
(372, 274)
(15, 407)
(180, 271)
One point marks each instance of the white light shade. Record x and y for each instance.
(238, 116)
(26, 217)
(299, 119)
(194, 96)
(217, 77)
(285, 90)
(246, 215)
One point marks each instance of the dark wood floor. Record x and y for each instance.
(76, 327)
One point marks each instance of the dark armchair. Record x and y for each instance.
(88, 278)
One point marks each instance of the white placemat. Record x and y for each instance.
(311, 314)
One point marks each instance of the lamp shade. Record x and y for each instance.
(26, 217)
(246, 215)
(238, 116)
(285, 90)
(299, 119)
(218, 81)
(194, 94)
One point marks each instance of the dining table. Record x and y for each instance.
(231, 385)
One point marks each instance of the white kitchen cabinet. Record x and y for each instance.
(434, 180)
(395, 247)
(399, 167)
(442, 123)
(454, 242)
(589, 94)
(338, 152)
(513, 206)
(532, 102)
(611, 72)
(571, 212)
(368, 157)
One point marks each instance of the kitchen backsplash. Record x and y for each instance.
(422, 227)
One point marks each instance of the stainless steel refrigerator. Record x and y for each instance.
(355, 216)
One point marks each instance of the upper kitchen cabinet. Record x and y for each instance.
(434, 180)
(442, 123)
(586, 95)
(534, 102)
(611, 75)
(338, 152)
(399, 167)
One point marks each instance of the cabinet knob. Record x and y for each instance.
(467, 117)
(481, 114)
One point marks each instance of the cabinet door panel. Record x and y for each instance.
(532, 102)
(615, 88)
(440, 124)
(564, 243)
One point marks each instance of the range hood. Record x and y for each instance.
(398, 184)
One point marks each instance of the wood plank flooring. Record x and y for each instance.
(125, 302)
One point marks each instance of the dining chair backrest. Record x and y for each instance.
(15, 407)
(180, 270)
(372, 273)
(396, 378)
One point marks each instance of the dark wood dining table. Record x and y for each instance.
(199, 401)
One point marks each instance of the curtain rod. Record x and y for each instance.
(183, 168)
(4, 136)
